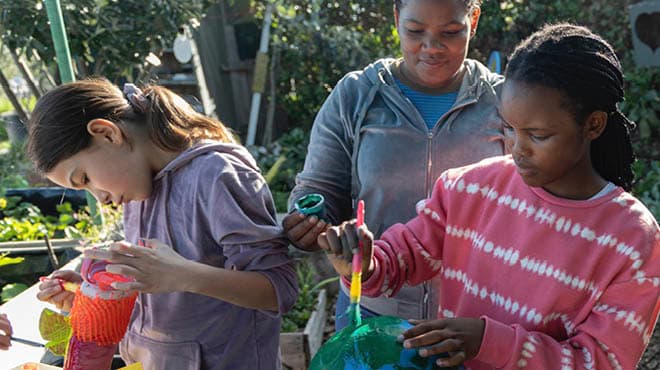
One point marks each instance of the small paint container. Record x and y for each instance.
(311, 205)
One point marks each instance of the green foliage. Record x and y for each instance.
(24, 221)
(5, 260)
(106, 37)
(647, 188)
(281, 161)
(5, 106)
(12, 166)
(642, 106)
(82, 224)
(296, 319)
(10, 291)
(324, 40)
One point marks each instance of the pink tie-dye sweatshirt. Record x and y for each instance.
(561, 284)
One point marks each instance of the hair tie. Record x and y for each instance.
(136, 98)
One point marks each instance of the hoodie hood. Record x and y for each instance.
(477, 80)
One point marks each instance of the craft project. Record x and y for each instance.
(370, 343)
(98, 319)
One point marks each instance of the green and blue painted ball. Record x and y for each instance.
(372, 345)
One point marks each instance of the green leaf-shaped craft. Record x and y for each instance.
(56, 329)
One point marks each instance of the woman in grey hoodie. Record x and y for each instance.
(387, 132)
(215, 276)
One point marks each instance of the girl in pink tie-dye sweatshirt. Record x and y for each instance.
(544, 260)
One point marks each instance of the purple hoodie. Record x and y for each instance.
(212, 206)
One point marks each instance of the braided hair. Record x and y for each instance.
(585, 68)
(469, 4)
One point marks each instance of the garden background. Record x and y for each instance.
(313, 44)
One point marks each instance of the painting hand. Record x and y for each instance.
(341, 241)
(154, 269)
(52, 290)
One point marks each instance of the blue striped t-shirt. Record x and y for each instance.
(431, 107)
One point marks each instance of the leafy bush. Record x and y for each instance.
(324, 40)
(11, 290)
(280, 162)
(5, 106)
(13, 165)
(647, 188)
(23, 221)
(296, 319)
(110, 38)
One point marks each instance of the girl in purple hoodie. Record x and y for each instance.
(215, 276)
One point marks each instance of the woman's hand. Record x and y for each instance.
(51, 289)
(304, 231)
(341, 241)
(155, 268)
(459, 337)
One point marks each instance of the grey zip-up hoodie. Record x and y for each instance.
(369, 142)
(212, 206)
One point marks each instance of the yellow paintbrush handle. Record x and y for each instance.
(356, 287)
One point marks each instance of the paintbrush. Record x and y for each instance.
(65, 285)
(356, 277)
(26, 341)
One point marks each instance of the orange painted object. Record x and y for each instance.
(98, 320)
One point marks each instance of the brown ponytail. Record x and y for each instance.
(174, 125)
(58, 124)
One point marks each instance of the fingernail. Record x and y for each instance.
(399, 338)
(423, 352)
(407, 344)
(441, 362)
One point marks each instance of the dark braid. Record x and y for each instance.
(469, 4)
(585, 68)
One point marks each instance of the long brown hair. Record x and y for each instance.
(58, 124)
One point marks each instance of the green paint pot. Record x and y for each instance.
(372, 345)
(311, 205)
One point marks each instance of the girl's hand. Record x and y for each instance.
(460, 337)
(51, 290)
(6, 332)
(303, 231)
(340, 241)
(155, 268)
